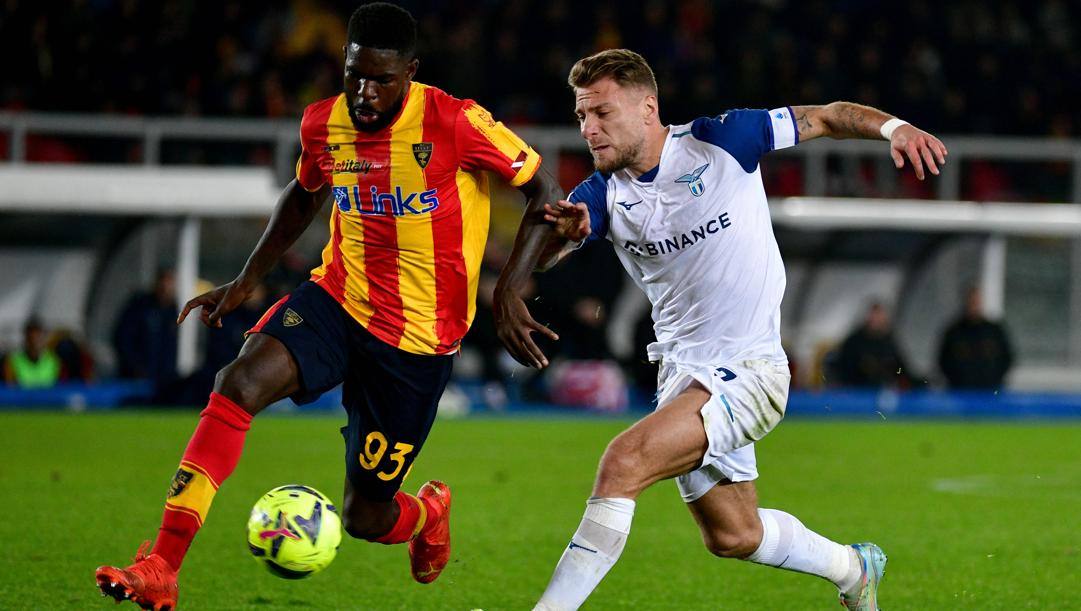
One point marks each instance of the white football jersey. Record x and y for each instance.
(695, 234)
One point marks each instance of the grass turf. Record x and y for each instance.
(973, 516)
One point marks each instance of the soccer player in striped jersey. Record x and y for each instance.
(404, 165)
(685, 209)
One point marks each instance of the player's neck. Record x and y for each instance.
(651, 153)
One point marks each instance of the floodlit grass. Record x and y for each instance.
(972, 516)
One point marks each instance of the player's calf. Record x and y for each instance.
(369, 520)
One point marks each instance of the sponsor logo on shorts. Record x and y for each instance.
(291, 318)
(180, 481)
(726, 374)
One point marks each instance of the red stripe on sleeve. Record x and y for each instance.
(451, 280)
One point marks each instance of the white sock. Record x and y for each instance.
(593, 550)
(788, 544)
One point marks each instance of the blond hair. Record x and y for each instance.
(625, 67)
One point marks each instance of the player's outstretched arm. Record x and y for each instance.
(848, 120)
(537, 241)
(295, 210)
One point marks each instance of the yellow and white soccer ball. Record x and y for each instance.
(294, 531)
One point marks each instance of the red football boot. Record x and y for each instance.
(150, 582)
(429, 551)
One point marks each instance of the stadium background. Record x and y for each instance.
(144, 143)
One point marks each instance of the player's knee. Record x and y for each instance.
(238, 382)
(620, 468)
(731, 544)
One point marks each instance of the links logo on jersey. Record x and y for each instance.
(373, 202)
(694, 181)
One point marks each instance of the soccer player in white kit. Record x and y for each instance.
(686, 212)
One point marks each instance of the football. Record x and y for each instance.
(294, 531)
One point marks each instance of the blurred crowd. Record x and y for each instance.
(1007, 67)
(577, 299)
(974, 352)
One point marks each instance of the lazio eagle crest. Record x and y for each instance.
(694, 181)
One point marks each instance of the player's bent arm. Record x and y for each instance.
(514, 324)
(839, 120)
(537, 245)
(294, 212)
(848, 120)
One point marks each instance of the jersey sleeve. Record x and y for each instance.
(748, 134)
(487, 144)
(309, 174)
(593, 192)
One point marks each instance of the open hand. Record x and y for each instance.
(515, 327)
(216, 303)
(920, 147)
(570, 221)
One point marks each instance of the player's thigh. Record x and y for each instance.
(391, 397)
(299, 349)
(262, 373)
(664, 444)
(727, 516)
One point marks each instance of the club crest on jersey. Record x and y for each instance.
(422, 152)
(694, 181)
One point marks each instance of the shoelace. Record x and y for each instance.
(141, 554)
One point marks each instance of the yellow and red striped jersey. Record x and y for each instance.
(411, 211)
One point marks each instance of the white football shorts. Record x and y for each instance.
(748, 400)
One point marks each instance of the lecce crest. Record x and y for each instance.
(422, 152)
(180, 481)
(694, 181)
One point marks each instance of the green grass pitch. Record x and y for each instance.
(972, 515)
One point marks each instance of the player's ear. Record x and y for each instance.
(411, 69)
(650, 110)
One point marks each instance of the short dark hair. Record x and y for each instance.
(625, 67)
(380, 25)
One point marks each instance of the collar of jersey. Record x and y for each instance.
(650, 175)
